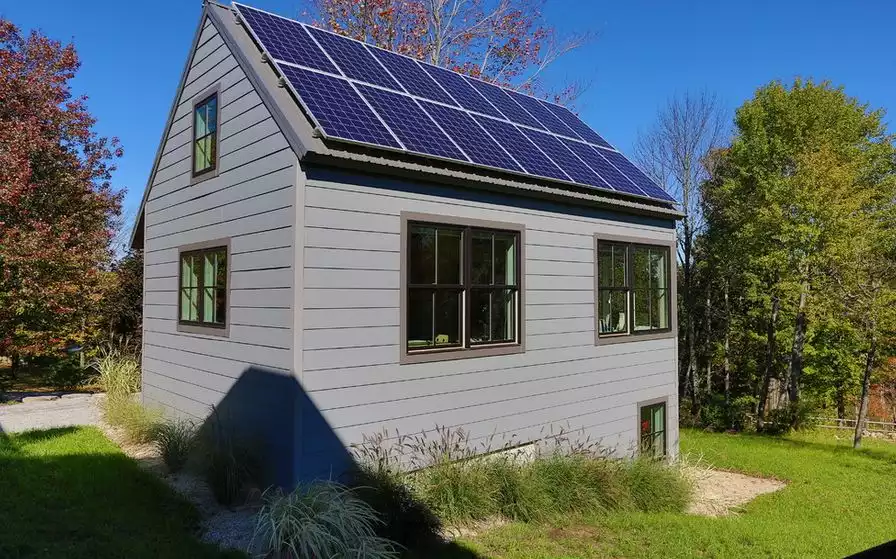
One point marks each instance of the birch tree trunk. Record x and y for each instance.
(726, 363)
(795, 369)
(707, 341)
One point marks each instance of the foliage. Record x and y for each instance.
(72, 493)
(507, 42)
(138, 423)
(122, 308)
(797, 212)
(67, 373)
(174, 439)
(228, 463)
(562, 475)
(824, 477)
(117, 372)
(323, 519)
(57, 207)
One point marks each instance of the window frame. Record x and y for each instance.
(632, 335)
(466, 349)
(211, 172)
(638, 436)
(199, 327)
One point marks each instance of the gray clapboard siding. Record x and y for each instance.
(351, 316)
(251, 203)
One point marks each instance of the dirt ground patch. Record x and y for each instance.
(720, 493)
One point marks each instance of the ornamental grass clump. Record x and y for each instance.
(174, 439)
(317, 521)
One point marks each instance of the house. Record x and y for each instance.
(340, 241)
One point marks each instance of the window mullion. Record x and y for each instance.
(467, 259)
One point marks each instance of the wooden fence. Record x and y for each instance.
(834, 423)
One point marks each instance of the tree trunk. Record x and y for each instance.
(841, 403)
(690, 330)
(866, 389)
(769, 361)
(726, 363)
(707, 341)
(795, 369)
(14, 366)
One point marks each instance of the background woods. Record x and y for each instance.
(786, 252)
(58, 210)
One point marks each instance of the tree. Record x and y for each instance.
(122, 314)
(56, 201)
(804, 161)
(676, 153)
(507, 42)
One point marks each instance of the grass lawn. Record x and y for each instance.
(72, 493)
(837, 502)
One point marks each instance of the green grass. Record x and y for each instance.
(72, 493)
(837, 502)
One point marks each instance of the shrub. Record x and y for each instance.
(320, 520)
(117, 373)
(67, 373)
(229, 466)
(174, 439)
(138, 423)
(656, 487)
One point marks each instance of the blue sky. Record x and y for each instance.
(133, 54)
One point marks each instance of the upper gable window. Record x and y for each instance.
(205, 135)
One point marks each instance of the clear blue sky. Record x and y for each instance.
(133, 54)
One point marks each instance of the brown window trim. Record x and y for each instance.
(467, 350)
(195, 327)
(671, 275)
(211, 172)
(650, 403)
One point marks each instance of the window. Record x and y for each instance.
(203, 287)
(463, 288)
(632, 288)
(205, 135)
(653, 430)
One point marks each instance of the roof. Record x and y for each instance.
(313, 147)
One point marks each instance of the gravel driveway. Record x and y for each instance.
(47, 412)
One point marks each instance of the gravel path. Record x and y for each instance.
(720, 493)
(47, 412)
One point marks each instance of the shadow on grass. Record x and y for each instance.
(844, 449)
(60, 498)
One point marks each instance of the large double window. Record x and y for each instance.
(203, 287)
(462, 287)
(633, 294)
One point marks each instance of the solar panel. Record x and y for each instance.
(359, 93)
(544, 116)
(412, 126)
(636, 175)
(286, 40)
(462, 91)
(412, 77)
(471, 137)
(560, 154)
(602, 167)
(579, 127)
(511, 109)
(353, 59)
(524, 151)
(338, 108)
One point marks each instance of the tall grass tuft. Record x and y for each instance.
(174, 439)
(320, 520)
(462, 482)
(117, 372)
(228, 464)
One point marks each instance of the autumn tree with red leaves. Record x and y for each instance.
(507, 42)
(57, 206)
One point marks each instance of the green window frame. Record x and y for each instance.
(205, 135)
(462, 288)
(633, 288)
(202, 293)
(652, 430)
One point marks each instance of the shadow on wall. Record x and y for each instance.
(267, 413)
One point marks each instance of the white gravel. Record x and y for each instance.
(48, 412)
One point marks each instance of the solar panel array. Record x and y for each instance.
(355, 92)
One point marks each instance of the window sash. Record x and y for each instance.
(203, 287)
(509, 286)
(205, 135)
(638, 298)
